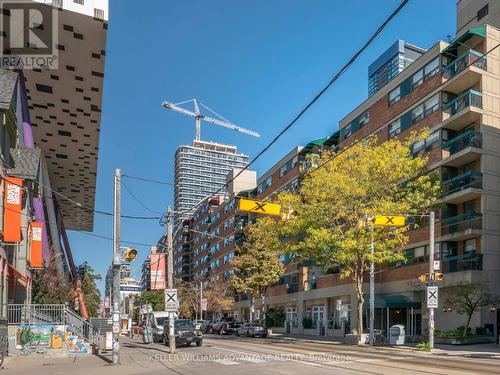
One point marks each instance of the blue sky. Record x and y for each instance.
(255, 62)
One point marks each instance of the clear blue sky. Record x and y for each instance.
(255, 62)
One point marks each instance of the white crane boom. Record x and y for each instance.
(199, 116)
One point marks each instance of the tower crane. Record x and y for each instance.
(198, 116)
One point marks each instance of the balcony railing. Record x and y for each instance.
(468, 98)
(471, 179)
(471, 57)
(470, 138)
(460, 223)
(292, 288)
(464, 262)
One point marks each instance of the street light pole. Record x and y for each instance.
(170, 280)
(431, 277)
(116, 271)
(372, 287)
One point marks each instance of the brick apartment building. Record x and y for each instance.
(453, 89)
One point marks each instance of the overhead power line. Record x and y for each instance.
(311, 102)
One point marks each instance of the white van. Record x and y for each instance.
(156, 320)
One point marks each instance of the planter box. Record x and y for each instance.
(468, 340)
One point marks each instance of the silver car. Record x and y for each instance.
(251, 330)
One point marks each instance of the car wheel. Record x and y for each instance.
(222, 332)
(165, 341)
(248, 333)
(199, 343)
(238, 333)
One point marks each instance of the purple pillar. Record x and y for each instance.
(29, 143)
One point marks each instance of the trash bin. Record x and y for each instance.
(397, 334)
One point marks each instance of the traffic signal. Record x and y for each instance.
(423, 278)
(130, 254)
(438, 276)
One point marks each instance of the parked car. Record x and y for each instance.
(251, 329)
(224, 325)
(184, 331)
(207, 327)
(198, 324)
(156, 320)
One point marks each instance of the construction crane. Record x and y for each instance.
(198, 116)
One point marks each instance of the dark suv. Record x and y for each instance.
(185, 333)
(225, 325)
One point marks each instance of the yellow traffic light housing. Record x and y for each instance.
(438, 276)
(423, 278)
(130, 254)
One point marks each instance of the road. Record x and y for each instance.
(228, 355)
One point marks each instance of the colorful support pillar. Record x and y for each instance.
(74, 274)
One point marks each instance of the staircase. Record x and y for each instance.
(49, 327)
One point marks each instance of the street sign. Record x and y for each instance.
(437, 265)
(390, 221)
(259, 207)
(171, 303)
(432, 297)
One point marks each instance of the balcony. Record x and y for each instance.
(463, 188)
(463, 110)
(292, 288)
(464, 262)
(461, 227)
(462, 149)
(469, 66)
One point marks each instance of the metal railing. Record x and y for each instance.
(471, 57)
(464, 262)
(470, 138)
(460, 223)
(466, 99)
(470, 179)
(35, 314)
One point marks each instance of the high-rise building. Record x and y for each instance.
(474, 13)
(392, 62)
(200, 170)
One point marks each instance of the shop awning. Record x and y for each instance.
(391, 301)
(451, 50)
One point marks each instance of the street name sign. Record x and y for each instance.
(259, 207)
(390, 221)
(432, 297)
(171, 302)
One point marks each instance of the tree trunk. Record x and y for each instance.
(466, 330)
(361, 300)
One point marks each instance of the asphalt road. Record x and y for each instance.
(230, 355)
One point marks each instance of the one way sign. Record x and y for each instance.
(171, 301)
(432, 297)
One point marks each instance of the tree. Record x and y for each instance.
(155, 298)
(330, 223)
(49, 287)
(91, 293)
(466, 298)
(219, 297)
(189, 302)
(258, 265)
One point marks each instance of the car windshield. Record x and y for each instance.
(183, 324)
(160, 320)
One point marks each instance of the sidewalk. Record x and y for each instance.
(486, 351)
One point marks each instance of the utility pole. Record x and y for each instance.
(431, 277)
(170, 280)
(116, 271)
(372, 287)
(201, 300)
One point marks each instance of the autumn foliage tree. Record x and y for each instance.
(258, 264)
(331, 223)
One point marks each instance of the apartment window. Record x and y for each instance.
(431, 105)
(419, 254)
(347, 131)
(418, 113)
(395, 95)
(395, 128)
(99, 14)
(78, 2)
(364, 118)
(44, 88)
(431, 68)
(417, 79)
(470, 245)
(483, 12)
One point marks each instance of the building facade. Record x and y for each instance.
(200, 171)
